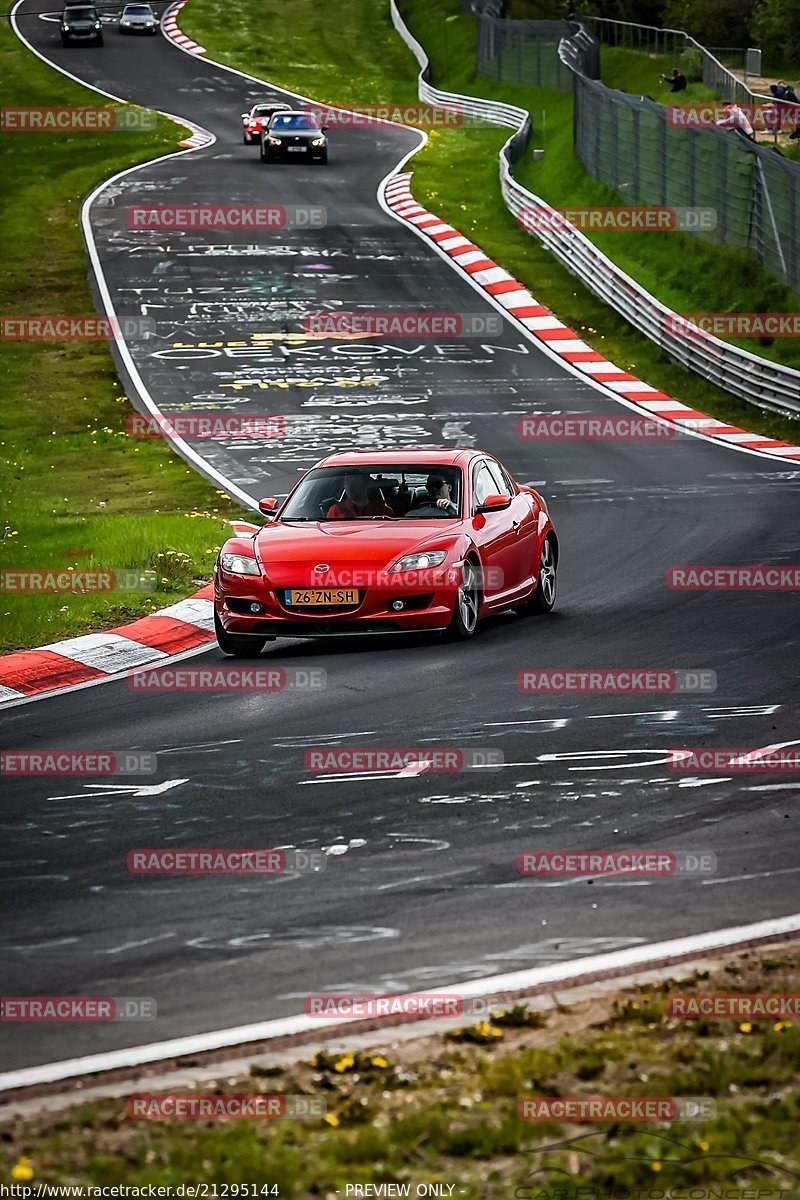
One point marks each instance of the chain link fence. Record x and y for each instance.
(767, 384)
(674, 44)
(524, 52)
(632, 144)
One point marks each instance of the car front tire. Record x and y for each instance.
(237, 647)
(464, 621)
(543, 598)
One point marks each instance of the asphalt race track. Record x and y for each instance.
(421, 886)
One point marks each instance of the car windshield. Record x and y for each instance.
(261, 110)
(377, 493)
(82, 14)
(137, 10)
(293, 121)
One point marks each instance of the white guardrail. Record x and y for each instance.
(757, 380)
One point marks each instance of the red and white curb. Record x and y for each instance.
(99, 656)
(545, 327)
(198, 137)
(171, 30)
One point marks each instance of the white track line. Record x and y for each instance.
(178, 444)
(558, 974)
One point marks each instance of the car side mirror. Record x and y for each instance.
(494, 503)
(269, 506)
(325, 128)
(245, 115)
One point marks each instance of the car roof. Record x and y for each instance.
(427, 456)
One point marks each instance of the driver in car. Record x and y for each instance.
(357, 501)
(439, 494)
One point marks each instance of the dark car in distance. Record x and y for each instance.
(294, 135)
(81, 23)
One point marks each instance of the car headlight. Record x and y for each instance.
(275, 141)
(318, 141)
(239, 564)
(97, 25)
(419, 562)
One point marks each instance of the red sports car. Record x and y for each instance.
(387, 542)
(258, 118)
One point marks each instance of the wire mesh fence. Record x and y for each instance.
(632, 144)
(524, 52)
(637, 147)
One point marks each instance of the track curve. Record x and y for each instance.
(421, 885)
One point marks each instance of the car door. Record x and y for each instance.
(494, 536)
(523, 517)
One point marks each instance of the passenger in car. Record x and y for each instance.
(357, 501)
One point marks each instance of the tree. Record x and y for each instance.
(775, 27)
(713, 22)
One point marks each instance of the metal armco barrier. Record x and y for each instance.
(757, 380)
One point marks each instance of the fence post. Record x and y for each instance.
(794, 274)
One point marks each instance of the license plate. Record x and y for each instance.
(296, 149)
(329, 597)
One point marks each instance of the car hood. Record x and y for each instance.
(305, 135)
(289, 551)
(139, 20)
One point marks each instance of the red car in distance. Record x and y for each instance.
(400, 541)
(258, 118)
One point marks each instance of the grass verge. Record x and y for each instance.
(77, 491)
(445, 1109)
(359, 59)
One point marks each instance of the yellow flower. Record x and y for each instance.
(331, 1119)
(22, 1170)
(378, 1060)
(655, 1166)
(745, 1027)
(344, 1063)
(704, 1146)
